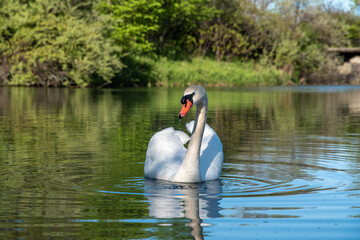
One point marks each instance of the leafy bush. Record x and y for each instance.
(52, 43)
(103, 42)
(208, 71)
(157, 26)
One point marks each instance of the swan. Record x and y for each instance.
(168, 159)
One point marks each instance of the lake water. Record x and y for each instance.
(71, 165)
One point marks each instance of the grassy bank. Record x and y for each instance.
(142, 71)
(209, 72)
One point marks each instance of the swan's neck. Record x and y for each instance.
(189, 170)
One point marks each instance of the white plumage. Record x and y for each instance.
(166, 153)
(168, 159)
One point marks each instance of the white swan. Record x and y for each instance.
(168, 159)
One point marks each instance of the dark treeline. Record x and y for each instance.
(118, 42)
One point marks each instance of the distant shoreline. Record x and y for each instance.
(207, 72)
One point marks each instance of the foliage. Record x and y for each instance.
(106, 42)
(208, 72)
(135, 21)
(139, 71)
(222, 40)
(301, 33)
(45, 43)
(285, 54)
(165, 27)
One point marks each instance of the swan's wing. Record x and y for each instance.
(165, 153)
(184, 138)
(211, 153)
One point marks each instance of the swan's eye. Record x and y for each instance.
(187, 97)
(183, 100)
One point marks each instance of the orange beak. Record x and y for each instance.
(185, 108)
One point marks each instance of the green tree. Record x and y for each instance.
(136, 20)
(300, 34)
(164, 27)
(52, 43)
(231, 33)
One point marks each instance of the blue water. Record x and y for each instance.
(71, 165)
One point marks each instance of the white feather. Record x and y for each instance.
(166, 152)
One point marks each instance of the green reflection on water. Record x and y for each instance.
(59, 148)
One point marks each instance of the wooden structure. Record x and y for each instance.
(347, 53)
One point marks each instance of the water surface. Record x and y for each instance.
(71, 165)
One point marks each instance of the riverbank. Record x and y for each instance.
(163, 72)
(48, 43)
(209, 72)
(143, 71)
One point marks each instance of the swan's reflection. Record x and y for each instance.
(195, 201)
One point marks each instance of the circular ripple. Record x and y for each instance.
(271, 181)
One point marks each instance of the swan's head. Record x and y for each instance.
(192, 95)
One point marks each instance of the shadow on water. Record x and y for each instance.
(194, 201)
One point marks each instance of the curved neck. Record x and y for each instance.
(189, 170)
(198, 131)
